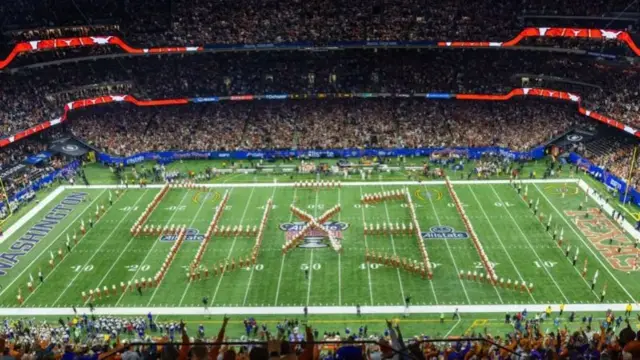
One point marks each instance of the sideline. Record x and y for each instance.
(344, 184)
(313, 310)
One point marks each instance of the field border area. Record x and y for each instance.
(343, 184)
(313, 310)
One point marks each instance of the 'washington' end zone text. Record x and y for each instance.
(36, 233)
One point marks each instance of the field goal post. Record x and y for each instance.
(4, 197)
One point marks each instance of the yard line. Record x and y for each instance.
(153, 246)
(172, 312)
(186, 287)
(315, 215)
(500, 241)
(393, 246)
(339, 256)
(253, 267)
(366, 247)
(586, 244)
(118, 258)
(97, 251)
(233, 244)
(454, 326)
(230, 177)
(310, 276)
(574, 268)
(295, 191)
(524, 236)
(51, 244)
(345, 184)
(446, 242)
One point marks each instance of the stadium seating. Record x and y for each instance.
(38, 86)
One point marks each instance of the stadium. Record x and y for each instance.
(319, 180)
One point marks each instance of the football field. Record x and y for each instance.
(517, 244)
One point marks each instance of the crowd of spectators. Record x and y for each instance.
(322, 124)
(16, 153)
(89, 338)
(35, 95)
(31, 96)
(163, 22)
(619, 163)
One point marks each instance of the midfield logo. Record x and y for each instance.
(315, 238)
(192, 235)
(444, 232)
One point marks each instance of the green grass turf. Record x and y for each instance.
(511, 236)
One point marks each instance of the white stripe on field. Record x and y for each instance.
(526, 239)
(233, 244)
(348, 183)
(393, 247)
(364, 221)
(113, 263)
(315, 215)
(314, 310)
(295, 191)
(152, 247)
(569, 260)
(586, 244)
(253, 267)
(97, 251)
(177, 251)
(504, 248)
(339, 254)
(446, 242)
(186, 289)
